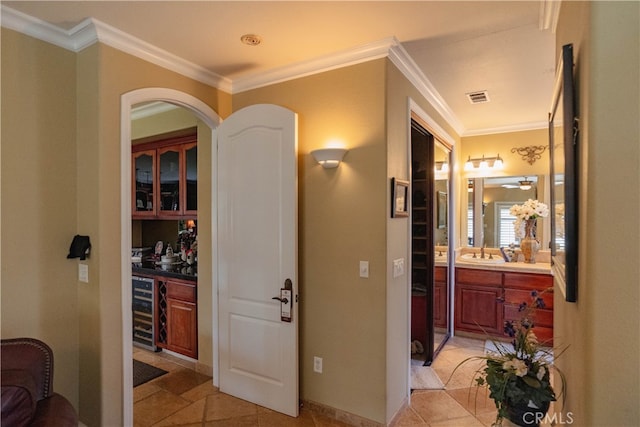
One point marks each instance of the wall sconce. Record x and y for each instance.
(470, 186)
(484, 164)
(329, 157)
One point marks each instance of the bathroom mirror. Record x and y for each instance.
(489, 199)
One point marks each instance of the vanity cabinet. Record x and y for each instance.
(477, 294)
(485, 299)
(177, 316)
(517, 289)
(164, 177)
(440, 306)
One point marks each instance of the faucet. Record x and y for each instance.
(482, 251)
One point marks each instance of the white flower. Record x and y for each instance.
(531, 209)
(541, 372)
(517, 365)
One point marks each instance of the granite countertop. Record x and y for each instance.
(177, 271)
(518, 267)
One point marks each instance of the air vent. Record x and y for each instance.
(478, 97)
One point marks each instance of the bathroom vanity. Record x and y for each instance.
(488, 294)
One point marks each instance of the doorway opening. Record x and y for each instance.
(209, 120)
(430, 289)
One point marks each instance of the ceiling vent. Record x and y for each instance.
(478, 97)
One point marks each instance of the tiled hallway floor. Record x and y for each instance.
(183, 397)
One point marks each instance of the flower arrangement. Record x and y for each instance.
(518, 375)
(529, 210)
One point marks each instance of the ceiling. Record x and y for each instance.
(460, 47)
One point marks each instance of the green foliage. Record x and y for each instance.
(519, 374)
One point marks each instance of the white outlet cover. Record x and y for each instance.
(364, 269)
(83, 273)
(398, 267)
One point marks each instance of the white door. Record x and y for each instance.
(257, 253)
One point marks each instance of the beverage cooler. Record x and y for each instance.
(142, 306)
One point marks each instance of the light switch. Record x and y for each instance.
(364, 269)
(83, 273)
(398, 267)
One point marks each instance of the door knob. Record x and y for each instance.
(282, 300)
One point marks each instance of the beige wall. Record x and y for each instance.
(119, 73)
(398, 92)
(601, 329)
(166, 121)
(341, 221)
(502, 143)
(66, 121)
(39, 188)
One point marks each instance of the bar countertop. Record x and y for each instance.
(177, 271)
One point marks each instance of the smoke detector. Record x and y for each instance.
(478, 97)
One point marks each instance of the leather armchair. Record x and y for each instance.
(27, 397)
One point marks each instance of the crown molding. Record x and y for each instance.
(549, 14)
(399, 56)
(36, 28)
(92, 30)
(151, 109)
(357, 55)
(506, 129)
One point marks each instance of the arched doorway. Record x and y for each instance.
(209, 117)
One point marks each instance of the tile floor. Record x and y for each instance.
(186, 398)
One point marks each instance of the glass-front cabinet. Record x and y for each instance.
(143, 167)
(169, 179)
(165, 178)
(191, 178)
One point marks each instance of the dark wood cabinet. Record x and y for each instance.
(440, 300)
(177, 316)
(485, 299)
(518, 288)
(478, 309)
(164, 175)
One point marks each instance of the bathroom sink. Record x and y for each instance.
(497, 259)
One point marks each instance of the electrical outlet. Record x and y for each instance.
(364, 269)
(317, 364)
(398, 267)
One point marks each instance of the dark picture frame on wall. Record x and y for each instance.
(399, 198)
(563, 162)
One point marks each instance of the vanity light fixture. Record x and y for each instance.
(484, 163)
(441, 167)
(329, 157)
(525, 184)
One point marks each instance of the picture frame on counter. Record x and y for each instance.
(399, 198)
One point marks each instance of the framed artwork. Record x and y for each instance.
(399, 198)
(563, 162)
(442, 209)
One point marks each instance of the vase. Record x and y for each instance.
(529, 245)
(527, 414)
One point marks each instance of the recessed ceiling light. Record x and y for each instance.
(251, 39)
